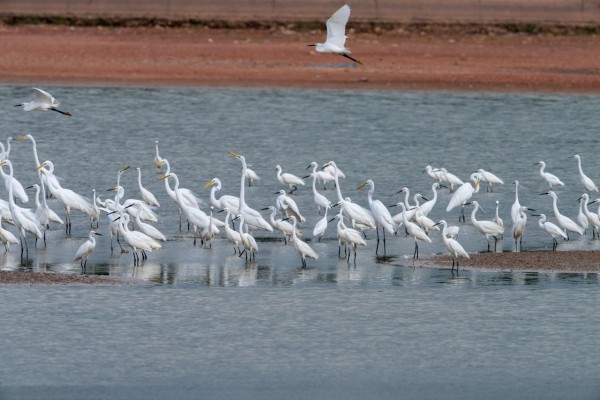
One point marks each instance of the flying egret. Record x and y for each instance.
(336, 35)
(452, 245)
(226, 201)
(147, 196)
(450, 179)
(519, 228)
(7, 237)
(380, 213)
(286, 178)
(233, 235)
(489, 178)
(463, 195)
(565, 222)
(304, 249)
(587, 183)
(279, 224)
(347, 236)
(252, 217)
(320, 200)
(353, 211)
(158, 160)
(414, 230)
(551, 229)
(86, 249)
(551, 179)
(488, 228)
(42, 101)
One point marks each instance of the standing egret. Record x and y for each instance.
(497, 218)
(147, 196)
(18, 189)
(336, 35)
(146, 228)
(279, 224)
(137, 240)
(519, 228)
(320, 226)
(551, 229)
(320, 200)
(410, 210)
(489, 178)
(463, 195)
(86, 249)
(287, 206)
(452, 245)
(514, 209)
(251, 176)
(158, 160)
(322, 176)
(380, 213)
(582, 218)
(551, 179)
(354, 212)
(7, 237)
(587, 183)
(252, 217)
(42, 101)
(426, 207)
(434, 173)
(414, 230)
(232, 203)
(286, 178)
(488, 228)
(450, 179)
(565, 222)
(250, 246)
(347, 236)
(208, 232)
(593, 217)
(302, 248)
(233, 235)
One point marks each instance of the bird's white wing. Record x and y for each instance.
(336, 26)
(41, 96)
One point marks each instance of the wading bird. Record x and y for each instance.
(303, 249)
(565, 222)
(86, 249)
(488, 228)
(336, 35)
(452, 245)
(291, 180)
(551, 229)
(588, 183)
(463, 195)
(380, 213)
(42, 101)
(551, 179)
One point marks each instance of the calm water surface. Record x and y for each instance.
(207, 324)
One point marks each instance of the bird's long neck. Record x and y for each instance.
(555, 206)
(37, 197)
(243, 183)
(337, 185)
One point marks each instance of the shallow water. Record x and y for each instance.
(210, 324)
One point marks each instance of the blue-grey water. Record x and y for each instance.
(207, 324)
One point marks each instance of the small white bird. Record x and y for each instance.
(336, 35)
(450, 179)
(304, 249)
(551, 229)
(347, 236)
(587, 183)
(291, 180)
(565, 222)
(463, 195)
(489, 178)
(452, 245)
(414, 230)
(382, 216)
(7, 237)
(147, 195)
(320, 226)
(158, 160)
(287, 206)
(42, 101)
(488, 228)
(519, 228)
(435, 173)
(551, 179)
(86, 249)
(279, 224)
(251, 176)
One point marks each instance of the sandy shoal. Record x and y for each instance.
(37, 55)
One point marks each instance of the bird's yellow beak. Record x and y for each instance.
(39, 167)
(209, 184)
(162, 178)
(233, 154)
(362, 186)
(22, 138)
(476, 183)
(124, 169)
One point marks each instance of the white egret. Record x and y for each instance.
(285, 178)
(414, 230)
(24, 219)
(18, 189)
(410, 210)
(158, 160)
(582, 218)
(42, 101)
(252, 217)
(336, 35)
(489, 178)
(450, 179)
(353, 211)
(287, 206)
(279, 224)
(463, 194)
(7, 237)
(145, 227)
(587, 183)
(209, 231)
(43, 213)
(551, 179)
(426, 207)
(514, 209)
(488, 228)
(453, 246)
(320, 226)
(347, 236)
(435, 173)
(593, 217)
(322, 176)
(188, 195)
(226, 201)
(135, 239)
(233, 235)
(95, 216)
(333, 171)
(5, 152)
(497, 218)
(551, 229)
(320, 200)
(518, 228)
(251, 176)
(248, 241)
(426, 223)
(304, 249)
(380, 213)
(147, 196)
(86, 249)
(565, 222)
